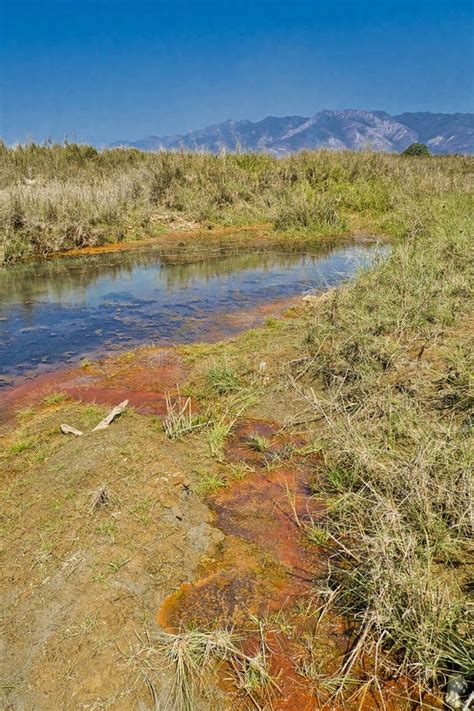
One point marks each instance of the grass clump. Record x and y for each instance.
(222, 379)
(210, 483)
(239, 470)
(216, 438)
(258, 442)
(25, 413)
(193, 655)
(54, 399)
(22, 445)
(180, 419)
(309, 210)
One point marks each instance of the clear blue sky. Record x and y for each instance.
(102, 70)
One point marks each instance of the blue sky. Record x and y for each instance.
(103, 70)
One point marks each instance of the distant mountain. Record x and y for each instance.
(443, 133)
(349, 129)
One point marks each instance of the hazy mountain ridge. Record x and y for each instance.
(340, 129)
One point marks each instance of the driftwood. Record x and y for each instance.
(111, 416)
(67, 429)
(103, 424)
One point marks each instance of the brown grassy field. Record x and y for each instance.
(59, 197)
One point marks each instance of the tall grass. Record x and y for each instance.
(389, 368)
(56, 197)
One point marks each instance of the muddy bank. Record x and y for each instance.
(144, 376)
(267, 570)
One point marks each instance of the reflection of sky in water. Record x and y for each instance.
(55, 311)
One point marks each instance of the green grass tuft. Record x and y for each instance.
(222, 379)
(210, 483)
(258, 442)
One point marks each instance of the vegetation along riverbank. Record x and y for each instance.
(291, 528)
(59, 197)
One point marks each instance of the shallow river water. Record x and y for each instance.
(58, 311)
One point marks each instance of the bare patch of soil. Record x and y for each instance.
(82, 573)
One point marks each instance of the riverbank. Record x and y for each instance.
(56, 198)
(312, 497)
(288, 525)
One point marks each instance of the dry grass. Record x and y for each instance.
(180, 419)
(193, 655)
(393, 367)
(56, 197)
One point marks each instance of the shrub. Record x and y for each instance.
(54, 197)
(417, 149)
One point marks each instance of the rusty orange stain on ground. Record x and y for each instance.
(270, 508)
(167, 238)
(262, 517)
(142, 377)
(219, 597)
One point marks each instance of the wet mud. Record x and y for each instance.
(143, 377)
(266, 566)
(268, 570)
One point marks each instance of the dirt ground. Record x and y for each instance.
(82, 578)
(114, 537)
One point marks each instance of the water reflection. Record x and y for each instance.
(55, 311)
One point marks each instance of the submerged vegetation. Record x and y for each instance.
(376, 377)
(57, 197)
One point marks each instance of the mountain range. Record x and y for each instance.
(345, 129)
